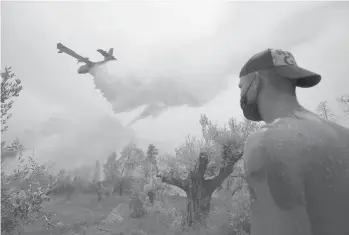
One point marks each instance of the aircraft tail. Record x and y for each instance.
(110, 52)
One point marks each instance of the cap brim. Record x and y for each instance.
(305, 78)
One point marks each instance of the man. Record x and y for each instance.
(297, 165)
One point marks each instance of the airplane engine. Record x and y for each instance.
(83, 69)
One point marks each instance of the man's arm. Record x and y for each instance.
(276, 188)
(255, 160)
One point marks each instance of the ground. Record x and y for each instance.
(86, 210)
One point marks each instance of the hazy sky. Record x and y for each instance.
(199, 45)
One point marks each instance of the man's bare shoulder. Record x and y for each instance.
(265, 138)
(254, 139)
(263, 144)
(292, 135)
(307, 129)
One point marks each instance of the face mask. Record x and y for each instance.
(250, 107)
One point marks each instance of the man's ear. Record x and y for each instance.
(252, 93)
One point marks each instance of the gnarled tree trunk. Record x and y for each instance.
(199, 196)
(198, 189)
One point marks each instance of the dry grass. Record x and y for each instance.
(83, 215)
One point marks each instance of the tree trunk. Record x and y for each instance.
(199, 190)
(151, 196)
(70, 191)
(199, 196)
(120, 189)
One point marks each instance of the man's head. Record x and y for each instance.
(271, 73)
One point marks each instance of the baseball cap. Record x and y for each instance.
(283, 64)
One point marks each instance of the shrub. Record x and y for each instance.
(136, 206)
(241, 212)
(21, 207)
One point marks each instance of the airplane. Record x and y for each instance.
(108, 56)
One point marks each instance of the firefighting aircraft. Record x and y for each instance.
(108, 56)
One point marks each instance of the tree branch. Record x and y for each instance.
(238, 176)
(180, 183)
(224, 172)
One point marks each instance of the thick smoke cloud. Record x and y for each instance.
(69, 139)
(157, 94)
(191, 75)
(193, 72)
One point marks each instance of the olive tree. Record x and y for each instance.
(201, 165)
(20, 207)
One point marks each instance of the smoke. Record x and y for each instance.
(156, 94)
(158, 84)
(192, 71)
(170, 64)
(150, 110)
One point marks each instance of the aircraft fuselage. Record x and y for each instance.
(86, 68)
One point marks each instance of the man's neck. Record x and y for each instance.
(274, 107)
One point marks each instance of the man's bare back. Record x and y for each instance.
(298, 173)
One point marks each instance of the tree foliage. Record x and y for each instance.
(324, 111)
(223, 147)
(110, 168)
(150, 162)
(131, 157)
(20, 206)
(10, 88)
(96, 181)
(152, 152)
(344, 103)
(97, 172)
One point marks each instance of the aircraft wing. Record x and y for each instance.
(70, 52)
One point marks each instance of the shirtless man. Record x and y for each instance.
(297, 165)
